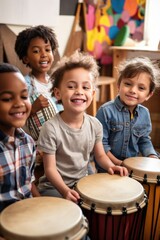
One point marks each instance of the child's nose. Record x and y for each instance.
(79, 91)
(43, 53)
(19, 103)
(133, 89)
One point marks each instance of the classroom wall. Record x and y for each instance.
(61, 31)
(152, 20)
(19, 14)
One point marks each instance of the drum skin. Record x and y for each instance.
(114, 206)
(43, 218)
(147, 172)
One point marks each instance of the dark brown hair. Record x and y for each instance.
(134, 66)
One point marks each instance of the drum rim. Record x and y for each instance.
(105, 207)
(78, 229)
(142, 174)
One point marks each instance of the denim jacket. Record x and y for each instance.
(123, 136)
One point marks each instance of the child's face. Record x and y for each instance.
(135, 90)
(76, 90)
(15, 105)
(39, 55)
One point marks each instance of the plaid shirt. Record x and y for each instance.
(17, 159)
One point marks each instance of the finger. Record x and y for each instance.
(110, 171)
(126, 171)
(42, 98)
(75, 194)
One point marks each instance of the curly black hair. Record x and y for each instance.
(24, 37)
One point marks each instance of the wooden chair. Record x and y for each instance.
(106, 93)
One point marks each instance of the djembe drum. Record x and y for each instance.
(114, 206)
(43, 218)
(147, 171)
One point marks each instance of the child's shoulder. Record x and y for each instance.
(92, 120)
(142, 108)
(27, 78)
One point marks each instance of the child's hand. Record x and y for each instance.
(39, 103)
(152, 156)
(72, 195)
(122, 170)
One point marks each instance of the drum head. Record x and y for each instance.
(110, 191)
(143, 168)
(43, 218)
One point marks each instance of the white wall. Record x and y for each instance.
(29, 12)
(19, 14)
(152, 23)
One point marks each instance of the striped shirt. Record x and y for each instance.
(17, 159)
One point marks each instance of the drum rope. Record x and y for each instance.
(158, 215)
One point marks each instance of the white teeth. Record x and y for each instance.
(43, 63)
(18, 115)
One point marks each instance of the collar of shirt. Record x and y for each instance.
(120, 106)
(19, 133)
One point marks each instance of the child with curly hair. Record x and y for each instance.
(36, 47)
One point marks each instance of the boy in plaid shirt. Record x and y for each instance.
(17, 149)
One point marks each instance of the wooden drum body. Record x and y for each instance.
(115, 206)
(147, 171)
(43, 218)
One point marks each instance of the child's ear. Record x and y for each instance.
(94, 91)
(25, 60)
(57, 93)
(149, 95)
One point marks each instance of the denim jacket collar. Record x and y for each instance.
(120, 106)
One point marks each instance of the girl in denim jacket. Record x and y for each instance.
(126, 123)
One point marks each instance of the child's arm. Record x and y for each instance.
(55, 178)
(105, 162)
(34, 190)
(115, 160)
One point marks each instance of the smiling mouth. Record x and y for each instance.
(18, 115)
(44, 63)
(78, 100)
(131, 97)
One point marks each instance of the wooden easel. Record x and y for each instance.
(76, 37)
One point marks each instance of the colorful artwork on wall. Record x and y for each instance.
(111, 23)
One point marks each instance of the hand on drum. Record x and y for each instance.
(72, 195)
(121, 170)
(152, 156)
